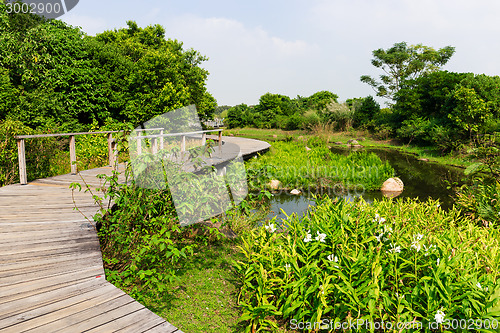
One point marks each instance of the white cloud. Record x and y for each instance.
(91, 25)
(248, 61)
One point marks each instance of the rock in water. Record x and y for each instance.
(353, 142)
(392, 185)
(295, 192)
(274, 184)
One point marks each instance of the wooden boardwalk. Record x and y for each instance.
(51, 271)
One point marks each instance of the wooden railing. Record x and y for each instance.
(112, 151)
(157, 139)
(214, 123)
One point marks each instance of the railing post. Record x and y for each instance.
(220, 143)
(154, 145)
(203, 139)
(111, 153)
(161, 140)
(183, 144)
(139, 143)
(21, 155)
(72, 154)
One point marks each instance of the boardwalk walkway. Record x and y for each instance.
(51, 272)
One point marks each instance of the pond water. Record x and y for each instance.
(421, 180)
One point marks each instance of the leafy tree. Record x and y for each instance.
(402, 62)
(319, 100)
(426, 96)
(239, 116)
(470, 111)
(58, 75)
(366, 111)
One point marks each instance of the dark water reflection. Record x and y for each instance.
(421, 180)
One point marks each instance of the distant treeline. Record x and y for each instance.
(441, 109)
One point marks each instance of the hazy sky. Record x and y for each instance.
(298, 47)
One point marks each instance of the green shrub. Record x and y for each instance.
(392, 261)
(141, 240)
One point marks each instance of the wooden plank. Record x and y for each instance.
(88, 317)
(45, 301)
(47, 271)
(84, 246)
(166, 327)
(141, 318)
(43, 265)
(140, 326)
(25, 289)
(50, 312)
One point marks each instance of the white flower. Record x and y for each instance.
(322, 290)
(439, 317)
(270, 227)
(479, 286)
(438, 205)
(378, 219)
(331, 257)
(308, 237)
(379, 237)
(287, 266)
(395, 249)
(321, 237)
(438, 260)
(418, 237)
(416, 245)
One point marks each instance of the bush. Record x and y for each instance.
(339, 114)
(392, 261)
(141, 241)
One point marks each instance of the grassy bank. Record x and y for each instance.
(367, 140)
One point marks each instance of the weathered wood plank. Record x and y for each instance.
(34, 305)
(27, 288)
(94, 316)
(76, 300)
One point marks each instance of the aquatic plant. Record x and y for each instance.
(296, 167)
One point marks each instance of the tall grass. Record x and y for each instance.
(296, 167)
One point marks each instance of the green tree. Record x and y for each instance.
(469, 110)
(402, 62)
(239, 116)
(426, 96)
(320, 100)
(366, 111)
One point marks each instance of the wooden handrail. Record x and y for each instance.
(112, 152)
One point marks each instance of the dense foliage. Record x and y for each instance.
(55, 78)
(392, 262)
